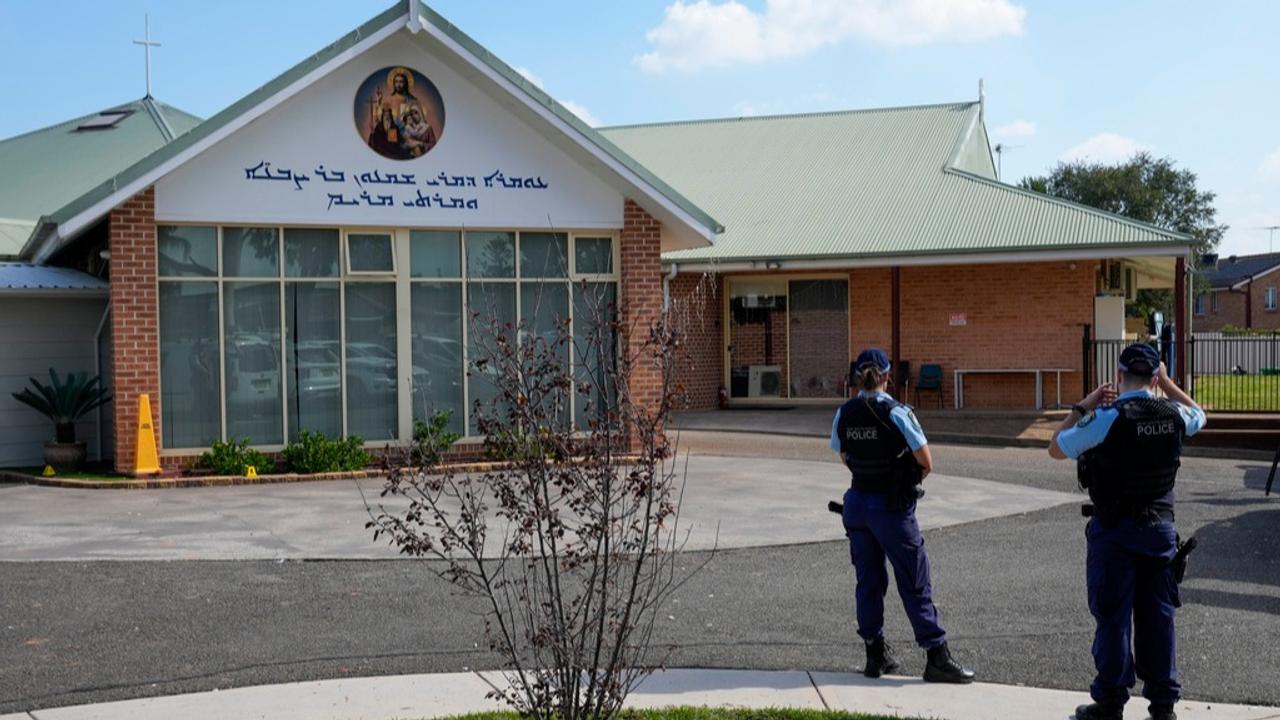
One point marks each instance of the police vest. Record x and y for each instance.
(1137, 463)
(871, 442)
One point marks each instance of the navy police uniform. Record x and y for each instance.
(1129, 457)
(874, 432)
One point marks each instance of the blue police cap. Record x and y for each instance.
(1140, 359)
(872, 357)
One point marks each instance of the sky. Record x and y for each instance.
(1196, 82)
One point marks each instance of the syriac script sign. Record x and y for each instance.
(374, 188)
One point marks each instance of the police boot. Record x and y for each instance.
(1161, 712)
(879, 661)
(940, 667)
(1099, 711)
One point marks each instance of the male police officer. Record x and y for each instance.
(883, 445)
(1128, 446)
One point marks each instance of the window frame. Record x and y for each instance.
(402, 280)
(347, 232)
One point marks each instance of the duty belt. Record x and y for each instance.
(1114, 512)
(876, 487)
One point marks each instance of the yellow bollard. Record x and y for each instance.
(251, 472)
(146, 460)
(48, 471)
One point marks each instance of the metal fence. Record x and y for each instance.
(1235, 372)
(1238, 373)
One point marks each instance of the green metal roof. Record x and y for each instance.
(869, 183)
(394, 14)
(55, 165)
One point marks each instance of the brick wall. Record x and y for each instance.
(871, 309)
(135, 338)
(697, 311)
(1231, 308)
(641, 300)
(1017, 315)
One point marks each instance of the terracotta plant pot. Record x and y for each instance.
(65, 457)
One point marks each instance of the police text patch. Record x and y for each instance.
(861, 433)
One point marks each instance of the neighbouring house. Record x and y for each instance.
(1241, 292)
(306, 259)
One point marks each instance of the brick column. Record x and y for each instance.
(641, 296)
(135, 321)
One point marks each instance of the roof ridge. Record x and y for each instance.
(1254, 256)
(131, 106)
(153, 110)
(788, 116)
(1175, 234)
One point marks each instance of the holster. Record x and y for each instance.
(904, 485)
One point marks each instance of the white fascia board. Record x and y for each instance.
(930, 260)
(90, 215)
(628, 175)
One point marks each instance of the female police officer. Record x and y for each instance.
(882, 444)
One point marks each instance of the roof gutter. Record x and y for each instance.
(845, 263)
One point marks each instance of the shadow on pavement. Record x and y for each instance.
(1242, 551)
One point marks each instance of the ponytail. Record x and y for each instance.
(870, 377)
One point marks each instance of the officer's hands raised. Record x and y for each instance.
(1105, 394)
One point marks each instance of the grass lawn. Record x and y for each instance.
(1238, 392)
(698, 713)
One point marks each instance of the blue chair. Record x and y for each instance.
(930, 379)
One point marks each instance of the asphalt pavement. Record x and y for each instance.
(1010, 590)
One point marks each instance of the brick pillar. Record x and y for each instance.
(641, 296)
(135, 320)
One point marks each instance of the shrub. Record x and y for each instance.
(234, 457)
(316, 453)
(64, 402)
(432, 439)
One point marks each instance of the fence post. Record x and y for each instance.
(1086, 348)
(1191, 366)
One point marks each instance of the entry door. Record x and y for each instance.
(757, 338)
(818, 338)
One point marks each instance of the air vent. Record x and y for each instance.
(104, 120)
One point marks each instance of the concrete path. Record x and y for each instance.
(406, 697)
(730, 501)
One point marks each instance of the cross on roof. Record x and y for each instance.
(147, 43)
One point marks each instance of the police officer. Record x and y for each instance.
(883, 445)
(1128, 446)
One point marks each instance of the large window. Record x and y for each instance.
(266, 332)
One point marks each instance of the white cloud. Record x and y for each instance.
(1104, 148)
(582, 112)
(1016, 129)
(528, 75)
(578, 109)
(697, 34)
(1270, 169)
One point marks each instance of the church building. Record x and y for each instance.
(307, 258)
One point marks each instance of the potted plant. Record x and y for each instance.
(64, 403)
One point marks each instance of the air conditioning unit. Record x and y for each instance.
(764, 381)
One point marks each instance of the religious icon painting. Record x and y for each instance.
(399, 113)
